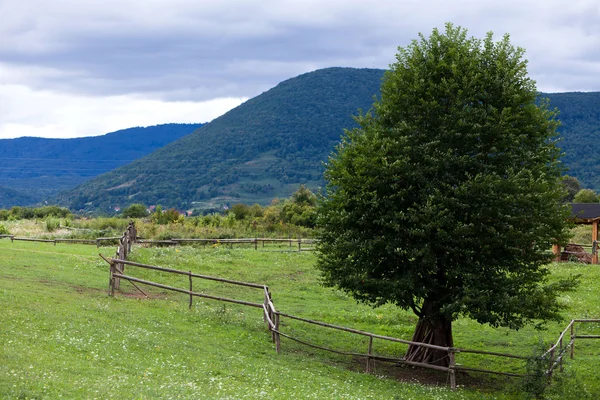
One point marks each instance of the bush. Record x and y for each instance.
(3, 230)
(52, 224)
(166, 217)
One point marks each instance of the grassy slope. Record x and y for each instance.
(62, 335)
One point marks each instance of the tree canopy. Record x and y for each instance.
(445, 198)
(136, 210)
(586, 196)
(572, 187)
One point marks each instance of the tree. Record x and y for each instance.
(445, 198)
(300, 208)
(304, 197)
(240, 210)
(586, 196)
(572, 186)
(135, 210)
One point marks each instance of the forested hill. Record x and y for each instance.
(33, 169)
(262, 149)
(580, 130)
(271, 144)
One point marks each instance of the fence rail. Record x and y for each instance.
(96, 241)
(176, 241)
(214, 241)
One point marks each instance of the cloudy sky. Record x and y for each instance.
(71, 68)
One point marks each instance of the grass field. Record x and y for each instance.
(63, 337)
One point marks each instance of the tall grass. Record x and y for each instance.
(52, 224)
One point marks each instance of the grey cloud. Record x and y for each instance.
(185, 50)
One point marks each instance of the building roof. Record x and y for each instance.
(585, 212)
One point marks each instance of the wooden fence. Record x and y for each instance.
(554, 355)
(97, 241)
(231, 242)
(272, 318)
(178, 241)
(123, 249)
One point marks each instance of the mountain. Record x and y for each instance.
(579, 114)
(271, 144)
(262, 149)
(11, 197)
(32, 169)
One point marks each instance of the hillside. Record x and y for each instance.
(32, 169)
(580, 130)
(260, 150)
(278, 140)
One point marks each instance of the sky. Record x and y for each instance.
(73, 68)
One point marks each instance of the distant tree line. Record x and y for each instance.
(16, 213)
(577, 194)
(298, 210)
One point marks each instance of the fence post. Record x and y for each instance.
(271, 316)
(191, 297)
(255, 244)
(369, 353)
(551, 365)
(277, 339)
(452, 370)
(120, 268)
(111, 280)
(266, 304)
(129, 232)
(561, 354)
(572, 339)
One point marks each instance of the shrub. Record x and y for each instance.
(166, 217)
(52, 224)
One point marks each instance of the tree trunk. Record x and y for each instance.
(435, 329)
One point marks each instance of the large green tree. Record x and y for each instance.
(445, 198)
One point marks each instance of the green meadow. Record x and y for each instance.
(63, 337)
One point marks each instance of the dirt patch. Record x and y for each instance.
(77, 288)
(423, 376)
